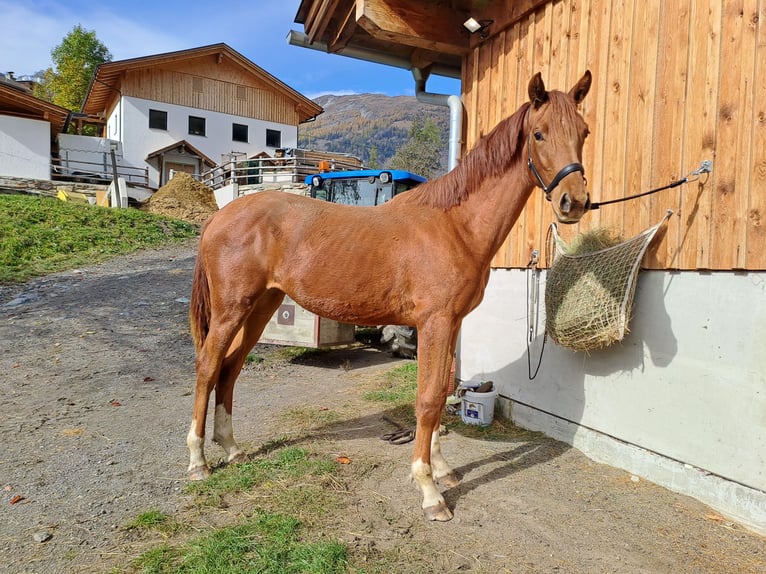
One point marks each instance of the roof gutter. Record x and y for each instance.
(420, 75)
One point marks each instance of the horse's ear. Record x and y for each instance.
(580, 89)
(537, 94)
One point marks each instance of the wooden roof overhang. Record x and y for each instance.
(18, 101)
(412, 34)
(105, 84)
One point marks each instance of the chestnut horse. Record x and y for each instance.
(430, 271)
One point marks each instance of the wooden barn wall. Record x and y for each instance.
(674, 83)
(236, 96)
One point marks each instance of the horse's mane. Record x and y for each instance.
(494, 155)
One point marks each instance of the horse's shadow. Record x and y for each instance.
(516, 459)
(515, 449)
(525, 450)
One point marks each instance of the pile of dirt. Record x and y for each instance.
(183, 197)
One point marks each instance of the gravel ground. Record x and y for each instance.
(97, 368)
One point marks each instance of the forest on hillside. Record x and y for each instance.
(371, 127)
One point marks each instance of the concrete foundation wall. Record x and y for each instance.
(686, 385)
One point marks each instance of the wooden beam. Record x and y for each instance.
(344, 32)
(323, 17)
(433, 26)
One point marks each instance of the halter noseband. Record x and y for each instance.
(563, 172)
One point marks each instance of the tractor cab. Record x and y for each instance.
(364, 187)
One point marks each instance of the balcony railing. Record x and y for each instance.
(271, 170)
(96, 172)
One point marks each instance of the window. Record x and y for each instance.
(196, 126)
(198, 84)
(239, 132)
(273, 138)
(158, 120)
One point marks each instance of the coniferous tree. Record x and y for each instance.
(421, 154)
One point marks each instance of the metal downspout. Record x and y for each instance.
(455, 106)
(454, 103)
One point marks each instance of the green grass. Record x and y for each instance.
(283, 486)
(283, 478)
(399, 386)
(265, 543)
(153, 520)
(41, 235)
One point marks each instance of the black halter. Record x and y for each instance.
(563, 172)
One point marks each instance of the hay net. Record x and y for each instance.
(589, 296)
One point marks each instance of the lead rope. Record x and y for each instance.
(533, 312)
(705, 167)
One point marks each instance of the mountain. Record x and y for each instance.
(353, 124)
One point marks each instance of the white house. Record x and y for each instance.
(193, 109)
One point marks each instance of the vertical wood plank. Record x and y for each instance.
(756, 220)
(669, 124)
(705, 74)
(639, 120)
(745, 151)
(725, 243)
(702, 95)
(616, 111)
(594, 108)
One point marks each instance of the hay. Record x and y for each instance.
(183, 197)
(593, 240)
(591, 285)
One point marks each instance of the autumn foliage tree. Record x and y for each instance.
(421, 154)
(74, 62)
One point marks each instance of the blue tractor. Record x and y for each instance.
(361, 187)
(370, 187)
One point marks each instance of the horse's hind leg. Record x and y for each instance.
(209, 359)
(244, 341)
(220, 359)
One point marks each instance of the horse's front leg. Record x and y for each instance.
(435, 348)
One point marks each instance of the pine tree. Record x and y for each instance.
(421, 154)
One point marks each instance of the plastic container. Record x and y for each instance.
(478, 408)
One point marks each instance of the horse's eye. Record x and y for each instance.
(539, 136)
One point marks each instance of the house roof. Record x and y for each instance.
(405, 33)
(105, 82)
(185, 146)
(17, 100)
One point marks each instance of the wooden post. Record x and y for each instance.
(115, 181)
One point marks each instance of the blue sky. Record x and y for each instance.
(255, 28)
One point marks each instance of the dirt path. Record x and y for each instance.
(96, 396)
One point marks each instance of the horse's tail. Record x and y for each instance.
(199, 306)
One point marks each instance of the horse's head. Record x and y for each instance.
(555, 136)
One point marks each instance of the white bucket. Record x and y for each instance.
(478, 408)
